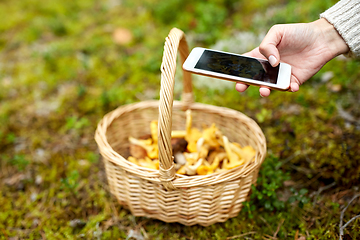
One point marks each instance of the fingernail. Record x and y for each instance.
(272, 60)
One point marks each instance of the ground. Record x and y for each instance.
(65, 64)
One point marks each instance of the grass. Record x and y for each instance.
(61, 71)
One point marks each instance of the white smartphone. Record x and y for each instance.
(238, 68)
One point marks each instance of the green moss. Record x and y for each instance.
(61, 72)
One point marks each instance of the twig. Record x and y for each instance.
(240, 235)
(288, 159)
(301, 169)
(267, 237)
(320, 190)
(43, 235)
(341, 227)
(144, 233)
(311, 181)
(347, 223)
(115, 216)
(263, 219)
(296, 235)
(279, 226)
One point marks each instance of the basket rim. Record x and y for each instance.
(180, 181)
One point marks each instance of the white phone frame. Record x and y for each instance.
(283, 78)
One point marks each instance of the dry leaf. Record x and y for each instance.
(289, 183)
(137, 151)
(122, 36)
(135, 234)
(335, 87)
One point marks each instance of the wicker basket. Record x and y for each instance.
(163, 194)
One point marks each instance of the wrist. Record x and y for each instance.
(332, 38)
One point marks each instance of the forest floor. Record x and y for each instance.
(65, 64)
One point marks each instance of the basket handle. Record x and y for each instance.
(175, 40)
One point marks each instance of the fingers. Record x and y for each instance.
(254, 53)
(294, 84)
(268, 46)
(264, 92)
(240, 87)
(294, 87)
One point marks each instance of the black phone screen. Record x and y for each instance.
(238, 66)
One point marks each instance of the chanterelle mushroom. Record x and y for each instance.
(178, 134)
(188, 121)
(247, 153)
(209, 134)
(154, 130)
(208, 169)
(133, 160)
(233, 159)
(148, 163)
(192, 135)
(151, 148)
(191, 158)
(202, 148)
(181, 170)
(191, 169)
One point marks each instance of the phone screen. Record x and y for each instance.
(238, 66)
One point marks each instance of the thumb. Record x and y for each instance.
(268, 46)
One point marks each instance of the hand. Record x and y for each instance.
(307, 47)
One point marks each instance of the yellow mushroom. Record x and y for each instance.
(188, 121)
(199, 144)
(191, 169)
(192, 135)
(247, 153)
(133, 160)
(207, 168)
(152, 149)
(181, 170)
(218, 158)
(192, 139)
(148, 163)
(157, 163)
(191, 158)
(154, 131)
(202, 148)
(233, 159)
(219, 138)
(211, 156)
(203, 170)
(219, 170)
(178, 134)
(209, 134)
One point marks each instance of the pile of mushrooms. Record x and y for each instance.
(195, 152)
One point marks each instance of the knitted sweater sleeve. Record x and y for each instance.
(345, 17)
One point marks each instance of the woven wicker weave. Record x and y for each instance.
(163, 194)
